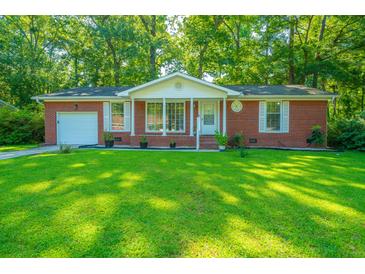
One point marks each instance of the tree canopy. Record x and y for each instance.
(43, 54)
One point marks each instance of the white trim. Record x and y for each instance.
(287, 97)
(191, 117)
(201, 103)
(77, 98)
(111, 116)
(164, 116)
(240, 96)
(164, 123)
(219, 115)
(106, 116)
(224, 116)
(182, 75)
(263, 128)
(132, 117)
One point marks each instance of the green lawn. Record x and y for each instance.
(96, 203)
(16, 147)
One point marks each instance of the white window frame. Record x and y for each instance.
(111, 116)
(161, 102)
(281, 116)
(284, 116)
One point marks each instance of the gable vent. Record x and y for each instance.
(178, 85)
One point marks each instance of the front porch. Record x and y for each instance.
(176, 108)
(162, 120)
(165, 120)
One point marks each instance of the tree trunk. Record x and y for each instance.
(318, 53)
(153, 49)
(291, 51)
(201, 61)
(76, 77)
(150, 27)
(362, 98)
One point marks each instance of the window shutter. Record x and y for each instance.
(127, 115)
(262, 116)
(106, 110)
(285, 117)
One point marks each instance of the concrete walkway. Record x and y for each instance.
(38, 150)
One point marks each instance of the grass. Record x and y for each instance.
(16, 147)
(98, 203)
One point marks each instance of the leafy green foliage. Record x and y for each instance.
(347, 133)
(237, 140)
(65, 149)
(143, 139)
(43, 54)
(317, 137)
(220, 138)
(243, 152)
(108, 136)
(21, 127)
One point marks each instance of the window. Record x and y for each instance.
(117, 110)
(273, 116)
(175, 117)
(154, 117)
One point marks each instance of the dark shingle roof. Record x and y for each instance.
(277, 90)
(88, 91)
(243, 89)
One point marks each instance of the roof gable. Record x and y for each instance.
(177, 84)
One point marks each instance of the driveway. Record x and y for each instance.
(38, 150)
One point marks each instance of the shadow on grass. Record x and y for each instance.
(158, 204)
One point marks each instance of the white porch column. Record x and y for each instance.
(132, 117)
(219, 115)
(191, 117)
(164, 117)
(224, 116)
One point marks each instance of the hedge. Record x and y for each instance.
(23, 126)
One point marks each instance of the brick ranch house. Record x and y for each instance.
(168, 108)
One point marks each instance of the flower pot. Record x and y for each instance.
(143, 145)
(109, 143)
(173, 145)
(222, 148)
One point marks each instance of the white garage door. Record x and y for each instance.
(77, 128)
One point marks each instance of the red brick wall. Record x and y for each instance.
(303, 115)
(51, 108)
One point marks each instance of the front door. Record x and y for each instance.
(209, 118)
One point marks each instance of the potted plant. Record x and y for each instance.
(143, 143)
(108, 139)
(172, 144)
(222, 140)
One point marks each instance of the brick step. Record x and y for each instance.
(208, 146)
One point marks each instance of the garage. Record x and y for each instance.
(77, 128)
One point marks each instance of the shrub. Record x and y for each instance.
(237, 140)
(108, 136)
(347, 133)
(65, 149)
(317, 136)
(143, 139)
(243, 152)
(221, 138)
(21, 127)
(172, 143)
